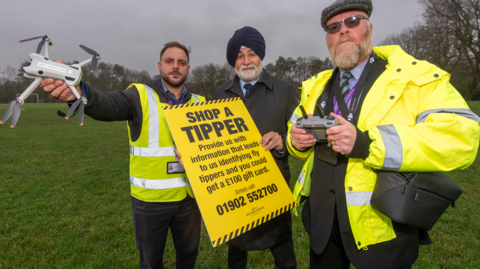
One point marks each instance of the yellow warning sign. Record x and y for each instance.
(236, 183)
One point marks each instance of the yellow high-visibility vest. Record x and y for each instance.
(151, 152)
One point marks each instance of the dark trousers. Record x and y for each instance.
(152, 221)
(334, 256)
(283, 254)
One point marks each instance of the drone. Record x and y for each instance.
(41, 67)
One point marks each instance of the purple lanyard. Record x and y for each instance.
(336, 109)
(328, 102)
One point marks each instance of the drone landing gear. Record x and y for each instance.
(14, 106)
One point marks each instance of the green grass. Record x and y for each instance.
(65, 202)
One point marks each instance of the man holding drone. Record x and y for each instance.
(161, 195)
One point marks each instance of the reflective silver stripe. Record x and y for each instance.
(153, 120)
(467, 113)
(393, 148)
(159, 184)
(152, 152)
(195, 98)
(300, 179)
(359, 198)
(293, 119)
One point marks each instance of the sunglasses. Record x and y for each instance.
(350, 22)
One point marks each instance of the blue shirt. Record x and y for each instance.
(242, 83)
(356, 73)
(172, 96)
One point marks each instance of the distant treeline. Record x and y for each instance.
(206, 78)
(108, 77)
(203, 79)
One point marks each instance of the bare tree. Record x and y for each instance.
(206, 78)
(410, 39)
(7, 80)
(301, 70)
(460, 19)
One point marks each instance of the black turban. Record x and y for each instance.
(248, 37)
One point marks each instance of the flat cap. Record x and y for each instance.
(344, 5)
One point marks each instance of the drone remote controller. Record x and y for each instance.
(41, 67)
(316, 125)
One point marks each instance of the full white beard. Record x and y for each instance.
(248, 76)
(348, 55)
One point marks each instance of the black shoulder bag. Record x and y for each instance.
(416, 199)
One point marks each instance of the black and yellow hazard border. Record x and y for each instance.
(252, 225)
(202, 103)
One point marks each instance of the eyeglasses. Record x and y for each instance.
(350, 22)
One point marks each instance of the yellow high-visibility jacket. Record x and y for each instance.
(417, 121)
(151, 152)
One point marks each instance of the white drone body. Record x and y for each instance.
(41, 67)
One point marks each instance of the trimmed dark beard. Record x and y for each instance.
(170, 83)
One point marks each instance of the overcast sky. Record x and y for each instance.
(131, 33)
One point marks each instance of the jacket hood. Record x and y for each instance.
(405, 66)
(156, 84)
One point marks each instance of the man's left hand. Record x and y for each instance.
(272, 140)
(179, 157)
(342, 137)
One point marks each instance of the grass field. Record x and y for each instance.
(65, 202)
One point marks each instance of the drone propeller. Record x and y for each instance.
(95, 57)
(8, 112)
(73, 111)
(40, 45)
(15, 109)
(16, 114)
(81, 110)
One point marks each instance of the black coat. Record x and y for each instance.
(271, 103)
(122, 105)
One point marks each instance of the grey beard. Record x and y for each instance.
(349, 61)
(255, 73)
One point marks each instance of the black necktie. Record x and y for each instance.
(247, 87)
(344, 85)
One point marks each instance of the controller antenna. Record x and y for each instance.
(305, 116)
(319, 111)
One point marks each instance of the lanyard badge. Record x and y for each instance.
(174, 168)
